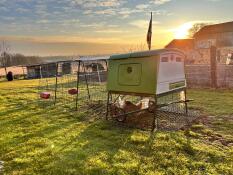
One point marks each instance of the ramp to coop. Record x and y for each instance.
(171, 116)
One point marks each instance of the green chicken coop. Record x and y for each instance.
(146, 74)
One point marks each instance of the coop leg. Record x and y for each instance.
(155, 117)
(186, 104)
(186, 107)
(107, 110)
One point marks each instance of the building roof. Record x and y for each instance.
(145, 53)
(58, 59)
(94, 57)
(181, 44)
(216, 28)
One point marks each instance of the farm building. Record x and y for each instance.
(186, 45)
(41, 70)
(64, 67)
(219, 35)
(48, 68)
(183, 44)
(197, 49)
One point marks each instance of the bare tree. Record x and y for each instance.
(196, 27)
(5, 56)
(135, 48)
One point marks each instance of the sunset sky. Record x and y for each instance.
(77, 27)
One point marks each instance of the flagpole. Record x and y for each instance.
(151, 28)
(149, 33)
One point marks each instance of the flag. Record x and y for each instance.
(149, 33)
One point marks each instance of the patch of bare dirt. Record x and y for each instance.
(207, 132)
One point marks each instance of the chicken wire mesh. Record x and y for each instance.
(79, 85)
(92, 80)
(47, 82)
(170, 113)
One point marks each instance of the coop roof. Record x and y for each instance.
(145, 53)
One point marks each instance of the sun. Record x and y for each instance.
(182, 31)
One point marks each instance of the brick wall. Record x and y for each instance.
(199, 75)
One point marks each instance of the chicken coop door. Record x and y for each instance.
(129, 74)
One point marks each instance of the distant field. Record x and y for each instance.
(15, 70)
(56, 140)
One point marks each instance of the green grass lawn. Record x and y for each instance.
(55, 140)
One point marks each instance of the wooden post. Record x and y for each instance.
(213, 66)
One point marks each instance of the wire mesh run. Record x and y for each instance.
(47, 83)
(92, 81)
(170, 113)
(79, 85)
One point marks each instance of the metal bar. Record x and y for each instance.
(107, 111)
(88, 92)
(55, 93)
(77, 86)
(155, 117)
(174, 102)
(40, 73)
(98, 72)
(132, 112)
(185, 102)
(23, 73)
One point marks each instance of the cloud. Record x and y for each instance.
(98, 3)
(214, 0)
(43, 21)
(22, 10)
(106, 12)
(159, 2)
(142, 6)
(4, 9)
(110, 31)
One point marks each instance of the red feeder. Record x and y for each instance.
(72, 91)
(45, 95)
